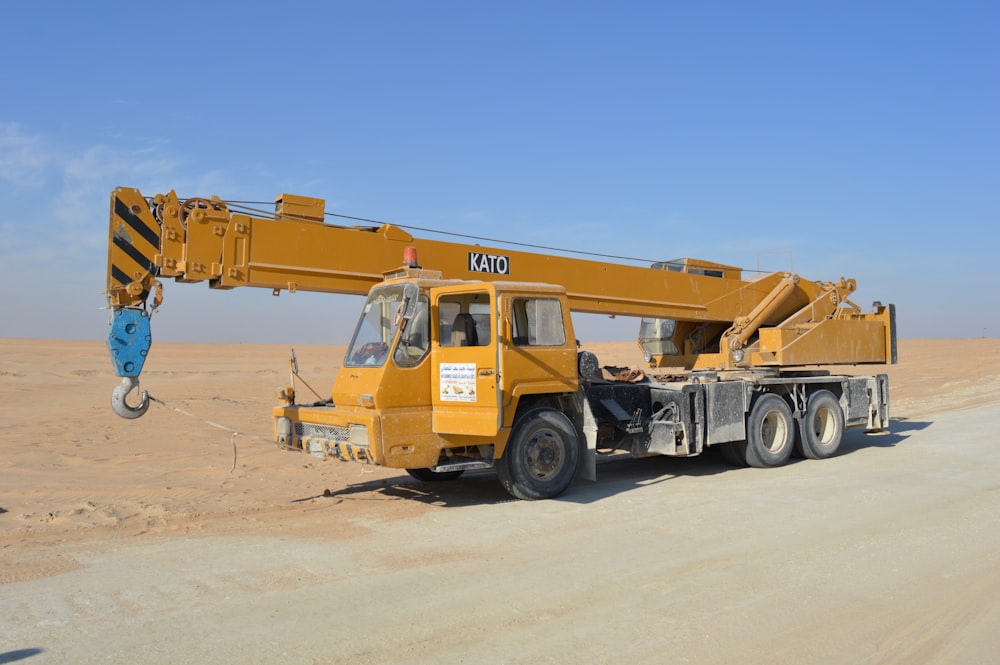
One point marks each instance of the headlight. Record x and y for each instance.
(284, 426)
(359, 435)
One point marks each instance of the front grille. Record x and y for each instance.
(311, 430)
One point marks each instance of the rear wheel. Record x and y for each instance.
(431, 476)
(822, 426)
(541, 457)
(770, 432)
(734, 452)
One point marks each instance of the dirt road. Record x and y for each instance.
(140, 542)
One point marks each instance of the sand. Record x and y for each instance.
(169, 539)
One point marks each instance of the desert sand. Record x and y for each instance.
(186, 537)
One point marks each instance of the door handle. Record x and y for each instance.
(485, 372)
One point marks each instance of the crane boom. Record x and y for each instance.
(715, 309)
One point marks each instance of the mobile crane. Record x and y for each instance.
(471, 362)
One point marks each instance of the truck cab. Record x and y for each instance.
(437, 374)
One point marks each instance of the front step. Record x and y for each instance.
(467, 465)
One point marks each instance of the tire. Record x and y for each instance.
(822, 426)
(770, 432)
(429, 476)
(734, 452)
(541, 457)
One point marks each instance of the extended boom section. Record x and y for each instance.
(472, 362)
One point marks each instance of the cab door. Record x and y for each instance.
(465, 363)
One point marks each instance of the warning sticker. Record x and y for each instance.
(458, 382)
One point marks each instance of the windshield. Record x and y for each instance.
(377, 329)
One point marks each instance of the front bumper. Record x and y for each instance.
(326, 432)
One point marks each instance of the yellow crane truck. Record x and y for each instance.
(464, 357)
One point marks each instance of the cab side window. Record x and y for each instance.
(464, 320)
(538, 322)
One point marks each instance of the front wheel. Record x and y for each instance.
(541, 457)
(770, 432)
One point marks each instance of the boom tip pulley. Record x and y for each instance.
(129, 340)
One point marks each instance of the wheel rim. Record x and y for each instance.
(774, 431)
(543, 455)
(824, 426)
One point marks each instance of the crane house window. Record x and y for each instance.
(657, 336)
(538, 322)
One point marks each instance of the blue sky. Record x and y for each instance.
(860, 137)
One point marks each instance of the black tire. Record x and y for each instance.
(734, 452)
(770, 432)
(822, 426)
(429, 476)
(541, 457)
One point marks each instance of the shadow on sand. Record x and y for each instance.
(899, 430)
(615, 474)
(19, 654)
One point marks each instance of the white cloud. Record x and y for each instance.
(24, 157)
(77, 178)
(89, 177)
(53, 221)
